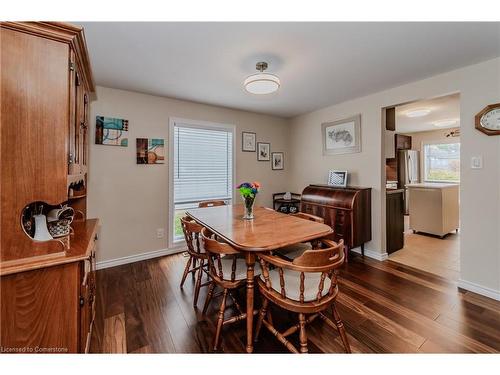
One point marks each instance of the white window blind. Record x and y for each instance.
(203, 164)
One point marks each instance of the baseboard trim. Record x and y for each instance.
(479, 289)
(372, 254)
(137, 257)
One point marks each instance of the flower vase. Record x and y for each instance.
(249, 201)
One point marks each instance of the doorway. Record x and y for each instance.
(422, 170)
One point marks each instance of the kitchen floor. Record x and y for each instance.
(431, 254)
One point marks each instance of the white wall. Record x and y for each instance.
(478, 86)
(132, 200)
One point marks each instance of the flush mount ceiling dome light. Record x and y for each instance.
(420, 112)
(445, 123)
(262, 83)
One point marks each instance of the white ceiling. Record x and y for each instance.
(319, 64)
(443, 108)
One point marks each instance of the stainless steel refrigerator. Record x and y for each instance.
(408, 171)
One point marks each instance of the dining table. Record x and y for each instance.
(268, 230)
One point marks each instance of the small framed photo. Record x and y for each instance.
(263, 151)
(248, 140)
(337, 178)
(277, 160)
(342, 137)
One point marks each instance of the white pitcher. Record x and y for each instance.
(41, 230)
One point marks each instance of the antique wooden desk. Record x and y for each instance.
(269, 230)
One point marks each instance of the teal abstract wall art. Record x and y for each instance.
(150, 151)
(111, 131)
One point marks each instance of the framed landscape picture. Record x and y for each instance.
(342, 137)
(263, 151)
(248, 140)
(150, 151)
(111, 131)
(277, 160)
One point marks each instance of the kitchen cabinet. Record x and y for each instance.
(403, 142)
(394, 220)
(434, 208)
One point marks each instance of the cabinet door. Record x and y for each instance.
(85, 306)
(34, 132)
(78, 115)
(88, 298)
(84, 129)
(403, 142)
(39, 308)
(72, 111)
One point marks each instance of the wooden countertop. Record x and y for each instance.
(81, 245)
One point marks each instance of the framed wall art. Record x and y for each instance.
(277, 160)
(342, 137)
(111, 131)
(263, 151)
(248, 141)
(150, 151)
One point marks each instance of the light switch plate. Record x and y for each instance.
(476, 162)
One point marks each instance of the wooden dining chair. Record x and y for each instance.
(307, 286)
(196, 254)
(228, 271)
(295, 250)
(211, 204)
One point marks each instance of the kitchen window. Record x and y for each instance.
(442, 162)
(202, 167)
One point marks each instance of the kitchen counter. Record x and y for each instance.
(432, 185)
(434, 208)
(394, 191)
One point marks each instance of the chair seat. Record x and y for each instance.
(295, 250)
(292, 284)
(241, 268)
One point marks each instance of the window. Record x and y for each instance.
(203, 167)
(442, 162)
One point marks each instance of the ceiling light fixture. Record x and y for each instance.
(418, 112)
(445, 123)
(262, 83)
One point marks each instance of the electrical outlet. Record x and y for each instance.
(160, 233)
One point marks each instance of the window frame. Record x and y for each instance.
(424, 164)
(196, 124)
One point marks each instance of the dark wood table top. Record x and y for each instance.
(269, 229)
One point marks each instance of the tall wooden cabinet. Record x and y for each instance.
(47, 287)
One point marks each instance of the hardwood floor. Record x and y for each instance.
(431, 254)
(386, 308)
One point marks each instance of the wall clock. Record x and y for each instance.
(488, 120)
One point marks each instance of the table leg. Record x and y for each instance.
(250, 260)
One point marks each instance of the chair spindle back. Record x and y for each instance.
(326, 259)
(192, 231)
(215, 251)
